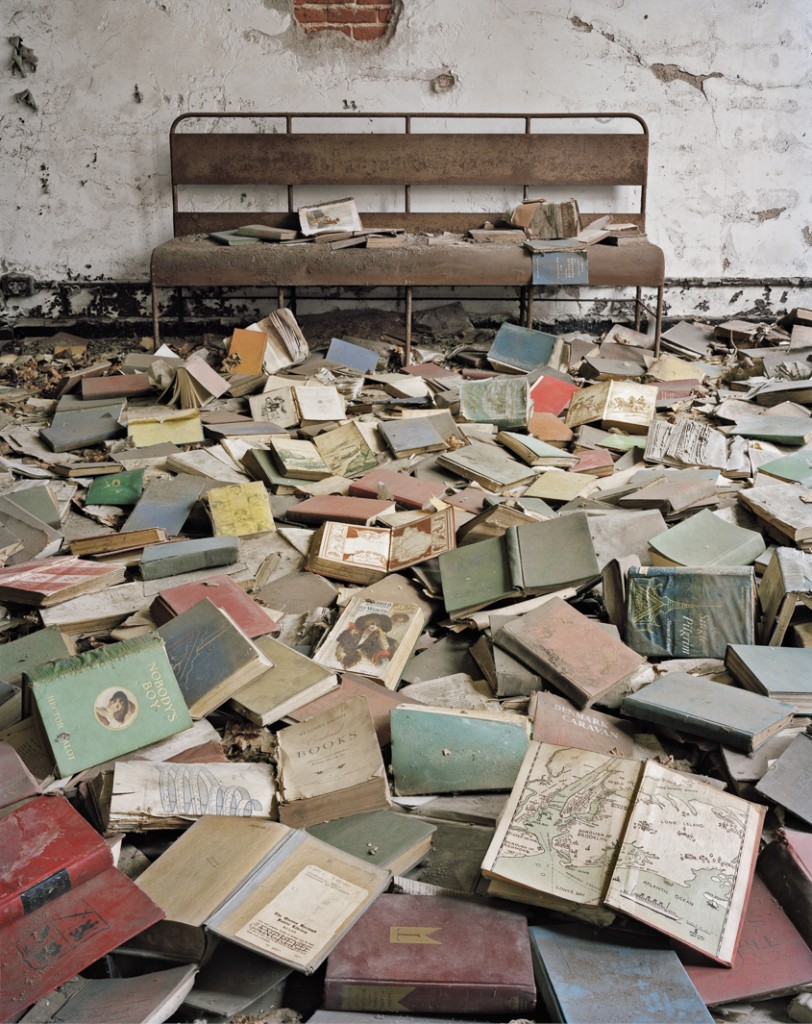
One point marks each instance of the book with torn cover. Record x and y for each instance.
(364, 554)
(373, 638)
(331, 766)
(222, 591)
(45, 582)
(385, 837)
(63, 905)
(240, 510)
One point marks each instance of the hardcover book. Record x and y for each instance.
(785, 865)
(784, 510)
(705, 539)
(772, 958)
(23, 654)
(300, 459)
(519, 349)
(551, 394)
(165, 503)
(503, 401)
(160, 561)
(401, 488)
(569, 650)
(683, 612)
(45, 582)
(120, 489)
(346, 451)
(178, 426)
(331, 766)
(276, 891)
(615, 403)
(318, 404)
(62, 903)
(196, 384)
(488, 466)
(447, 750)
(556, 720)
(372, 638)
(223, 592)
(785, 588)
(535, 452)
(534, 558)
(785, 781)
(96, 706)
(211, 656)
(701, 707)
(411, 436)
(391, 840)
(240, 510)
(292, 681)
(433, 954)
(338, 508)
(364, 554)
(783, 673)
(627, 981)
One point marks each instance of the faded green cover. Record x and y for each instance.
(85, 719)
(676, 612)
(733, 717)
(779, 429)
(503, 401)
(378, 837)
(796, 468)
(30, 651)
(117, 488)
(444, 750)
(39, 502)
(705, 539)
(161, 560)
(475, 575)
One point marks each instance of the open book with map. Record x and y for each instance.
(583, 829)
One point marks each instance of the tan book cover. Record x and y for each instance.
(345, 451)
(331, 766)
(180, 426)
(615, 403)
(240, 510)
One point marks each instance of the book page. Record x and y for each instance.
(422, 539)
(304, 917)
(561, 825)
(686, 860)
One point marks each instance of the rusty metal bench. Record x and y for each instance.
(408, 161)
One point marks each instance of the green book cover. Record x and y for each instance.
(96, 706)
(38, 501)
(705, 539)
(116, 489)
(503, 401)
(383, 837)
(175, 557)
(679, 612)
(795, 467)
(25, 654)
(445, 750)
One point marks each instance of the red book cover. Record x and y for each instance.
(223, 592)
(46, 581)
(62, 903)
(549, 394)
(399, 487)
(433, 954)
(772, 958)
(338, 508)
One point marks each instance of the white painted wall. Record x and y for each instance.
(725, 86)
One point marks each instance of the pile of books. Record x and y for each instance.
(478, 688)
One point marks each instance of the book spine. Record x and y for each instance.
(427, 997)
(81, 868)
(514, 558)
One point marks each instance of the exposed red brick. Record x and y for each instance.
(346, 29)
(377, 3)
(368, 31)
(309, 14)
(384, 16)
(347, 13)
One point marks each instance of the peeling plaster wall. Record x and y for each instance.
(724, 85)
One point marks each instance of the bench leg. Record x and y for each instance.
(528, 297)
(638, 298)
(156, 340)
(280, 297)
(659, 323)
(407, 352)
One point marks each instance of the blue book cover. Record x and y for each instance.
(679, 612)
(521, 347)
(560, 268)
(586, 978)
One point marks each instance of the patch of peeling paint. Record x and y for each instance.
(807, 235)
(771, 214)
(674, 73)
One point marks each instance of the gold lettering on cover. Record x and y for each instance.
(401, 934)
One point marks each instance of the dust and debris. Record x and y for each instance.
(25, 96)
(674, 73)
(23, 60)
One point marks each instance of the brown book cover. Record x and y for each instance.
(406, 490)
(433, 954)
(772, 958)
(785, 865)
(570, 650)
(557, 721)
(338, 508)
(223, 592)
(118, 385)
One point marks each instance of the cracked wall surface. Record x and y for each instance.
(725, 86)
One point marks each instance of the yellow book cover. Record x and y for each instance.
(240, 510)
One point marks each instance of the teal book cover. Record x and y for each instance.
(701, 707)
(583, 975)
(679, 612)
(121, 489)
(96, 706)
(521, 347)
(446, 750)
